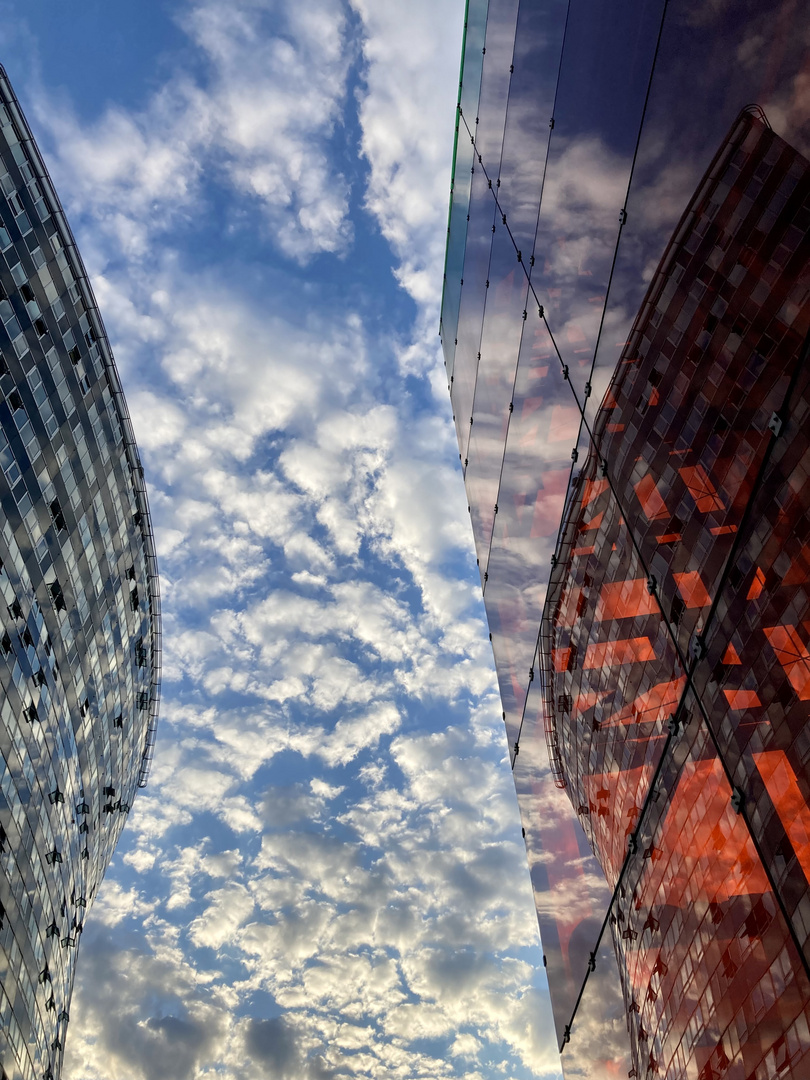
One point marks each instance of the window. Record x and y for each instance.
(57, 515)
(57, 596)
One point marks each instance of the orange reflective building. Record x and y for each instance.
(676, 632)
(646, 562)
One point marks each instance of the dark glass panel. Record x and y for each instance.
(486, 127)
(713, 61)
(473, 298)
(537, 466)
(536, 62)
(488, 123)
(606, 64)
(599, 1045)
(472, 63)
(500, 341)
(570, 892)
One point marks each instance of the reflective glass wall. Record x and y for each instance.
(601, 134)
(79, 610)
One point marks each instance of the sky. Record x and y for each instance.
(325, 878)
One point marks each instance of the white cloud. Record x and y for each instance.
(228, 908)
(411, 73)
(328, 835)
(115, 903)
(258, 115)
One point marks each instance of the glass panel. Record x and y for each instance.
(713, 983)
(685, 430)
(707, 55)
(544, 425)
(599, 1045)
(473, 297)
(472, 63)
(531, 91)
(536, 62)
(712, 976)
(503, 326)
(570, 892)
(488, 122)
(487, 127)
(756, 679)
(606, 64)
(536, 472)
(613, 675)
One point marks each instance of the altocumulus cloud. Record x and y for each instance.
(324, 878)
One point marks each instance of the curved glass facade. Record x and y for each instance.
(676, 631)
(635, 234)
(79, 611)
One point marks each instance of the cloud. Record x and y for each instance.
(115, 903)
(228, 908)
(273, 1045)
(169, 1040)
(256, 114)
(328, 842)
(410, 73)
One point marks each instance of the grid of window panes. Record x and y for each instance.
(583, 131)
(79, 611)
(689, 561)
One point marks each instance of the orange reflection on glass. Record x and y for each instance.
(588, 700)
(799, 571)
(592, 490)
(742, 699)
(624, 651)
(651, 705)
(701, 488)
(593, 523)
(625, 600)
(692, 589)
(793, 656)
(715, 855)
(561, 658)
(549, 504)
(757, 585)
(564, 423)
(652, 504)
(571, 606)
(613, 800)
(794, 813)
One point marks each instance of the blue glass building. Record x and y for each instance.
(79, 610)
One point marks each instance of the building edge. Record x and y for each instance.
(9, 99)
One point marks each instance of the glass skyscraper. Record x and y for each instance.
(625, 326)
(79, 611)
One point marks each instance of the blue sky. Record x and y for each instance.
(325, 877)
